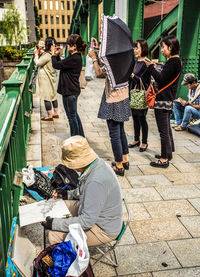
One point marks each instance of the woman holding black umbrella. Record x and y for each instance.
(115, 109)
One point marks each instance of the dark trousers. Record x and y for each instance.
(138, 123)
(48, 105)
(164, 128)
(118, 139)
(70, 105)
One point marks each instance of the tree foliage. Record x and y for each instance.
(13, 29)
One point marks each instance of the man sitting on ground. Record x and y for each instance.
(98, 204)
(184, 110)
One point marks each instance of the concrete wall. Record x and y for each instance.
(121, 9)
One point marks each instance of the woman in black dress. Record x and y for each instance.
(140, 73)
(164, 100)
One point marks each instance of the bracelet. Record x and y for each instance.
(94, 60)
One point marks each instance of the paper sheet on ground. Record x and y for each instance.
(38, 211)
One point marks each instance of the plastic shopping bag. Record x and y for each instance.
(78, 240)
(28, 175)
(89, 69)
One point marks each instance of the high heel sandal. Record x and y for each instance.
(134, 145)
(125, 165)
(143, 149)
(118, 171)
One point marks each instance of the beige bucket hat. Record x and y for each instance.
(76, 152)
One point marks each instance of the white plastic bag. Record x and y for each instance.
(89, 69)
(28, 175)
(78, 240)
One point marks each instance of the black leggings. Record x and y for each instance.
(140, 122)
(48, 104)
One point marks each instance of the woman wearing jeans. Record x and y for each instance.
(68, 86)
(164, 100)
(115, 108)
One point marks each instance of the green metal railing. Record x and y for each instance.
(15, 123)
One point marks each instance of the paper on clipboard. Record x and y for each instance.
(38, 211)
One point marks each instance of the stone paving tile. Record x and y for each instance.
(35, 163)
(194, 149)
(178, 192)
(148, 181)
(124, 183)
(183, 178)
(187, 251)
(149, 170)
(141, 258)
(137, 212)
(139, 275)
(35, 125)
(35, 137)
(192, 224)
(140, 195)
(133, 171)
(164, 209)
(191, 158)
(101, 269)
(188, 167)
(34, 153)
(196, 203)
(136, 158)
(186, 272)
(127, 238)
(159, 229)
(51, 139)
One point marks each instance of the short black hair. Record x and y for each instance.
(144, 46)
(48, 42)
(172, 41)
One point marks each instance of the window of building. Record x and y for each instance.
(51, 5)
(68, 19)
(63, 33)
(74, 4)
(56, 5)
(58, 33)
(39, 5)
(68, 5)
(62, 5)
(52, 32)
(57, 19)
(51, 19)
(46, 19)
(1, 5)
(63, 19)
(40, 18)
(45, 5)
(68, 31)
(47, 32)
(41, 33)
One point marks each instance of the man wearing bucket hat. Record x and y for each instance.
(185, 110)
(98, 204)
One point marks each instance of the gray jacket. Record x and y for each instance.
(100, 201)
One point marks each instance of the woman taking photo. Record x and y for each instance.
(115, 109)
(140, 74)
(46, 82)
(163, 107)
(68, 86)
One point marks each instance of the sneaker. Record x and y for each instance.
(180, 128)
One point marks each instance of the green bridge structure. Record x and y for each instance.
(16, 97)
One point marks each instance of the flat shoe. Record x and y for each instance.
(160, 164)
(56, 116)
(118, 171)
(157, 156)
(47, 119)
(143, 149)
(134, 145)
(125, 165)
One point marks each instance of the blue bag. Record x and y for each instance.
(63, 256)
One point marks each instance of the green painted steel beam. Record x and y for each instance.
(136, 18)
(168, 22)
(109, 7)
(93, 19)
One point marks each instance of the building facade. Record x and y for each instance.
(55, 18)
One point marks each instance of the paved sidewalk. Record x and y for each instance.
(164, 235)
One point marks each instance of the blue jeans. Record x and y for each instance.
(183, 114)
(70, 105)
(118, 139)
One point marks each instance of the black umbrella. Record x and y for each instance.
(116, 51)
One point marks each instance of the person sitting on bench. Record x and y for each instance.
(185, 110)
(98, 204)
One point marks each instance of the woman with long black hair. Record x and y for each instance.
(68, 86)
(168, 79)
